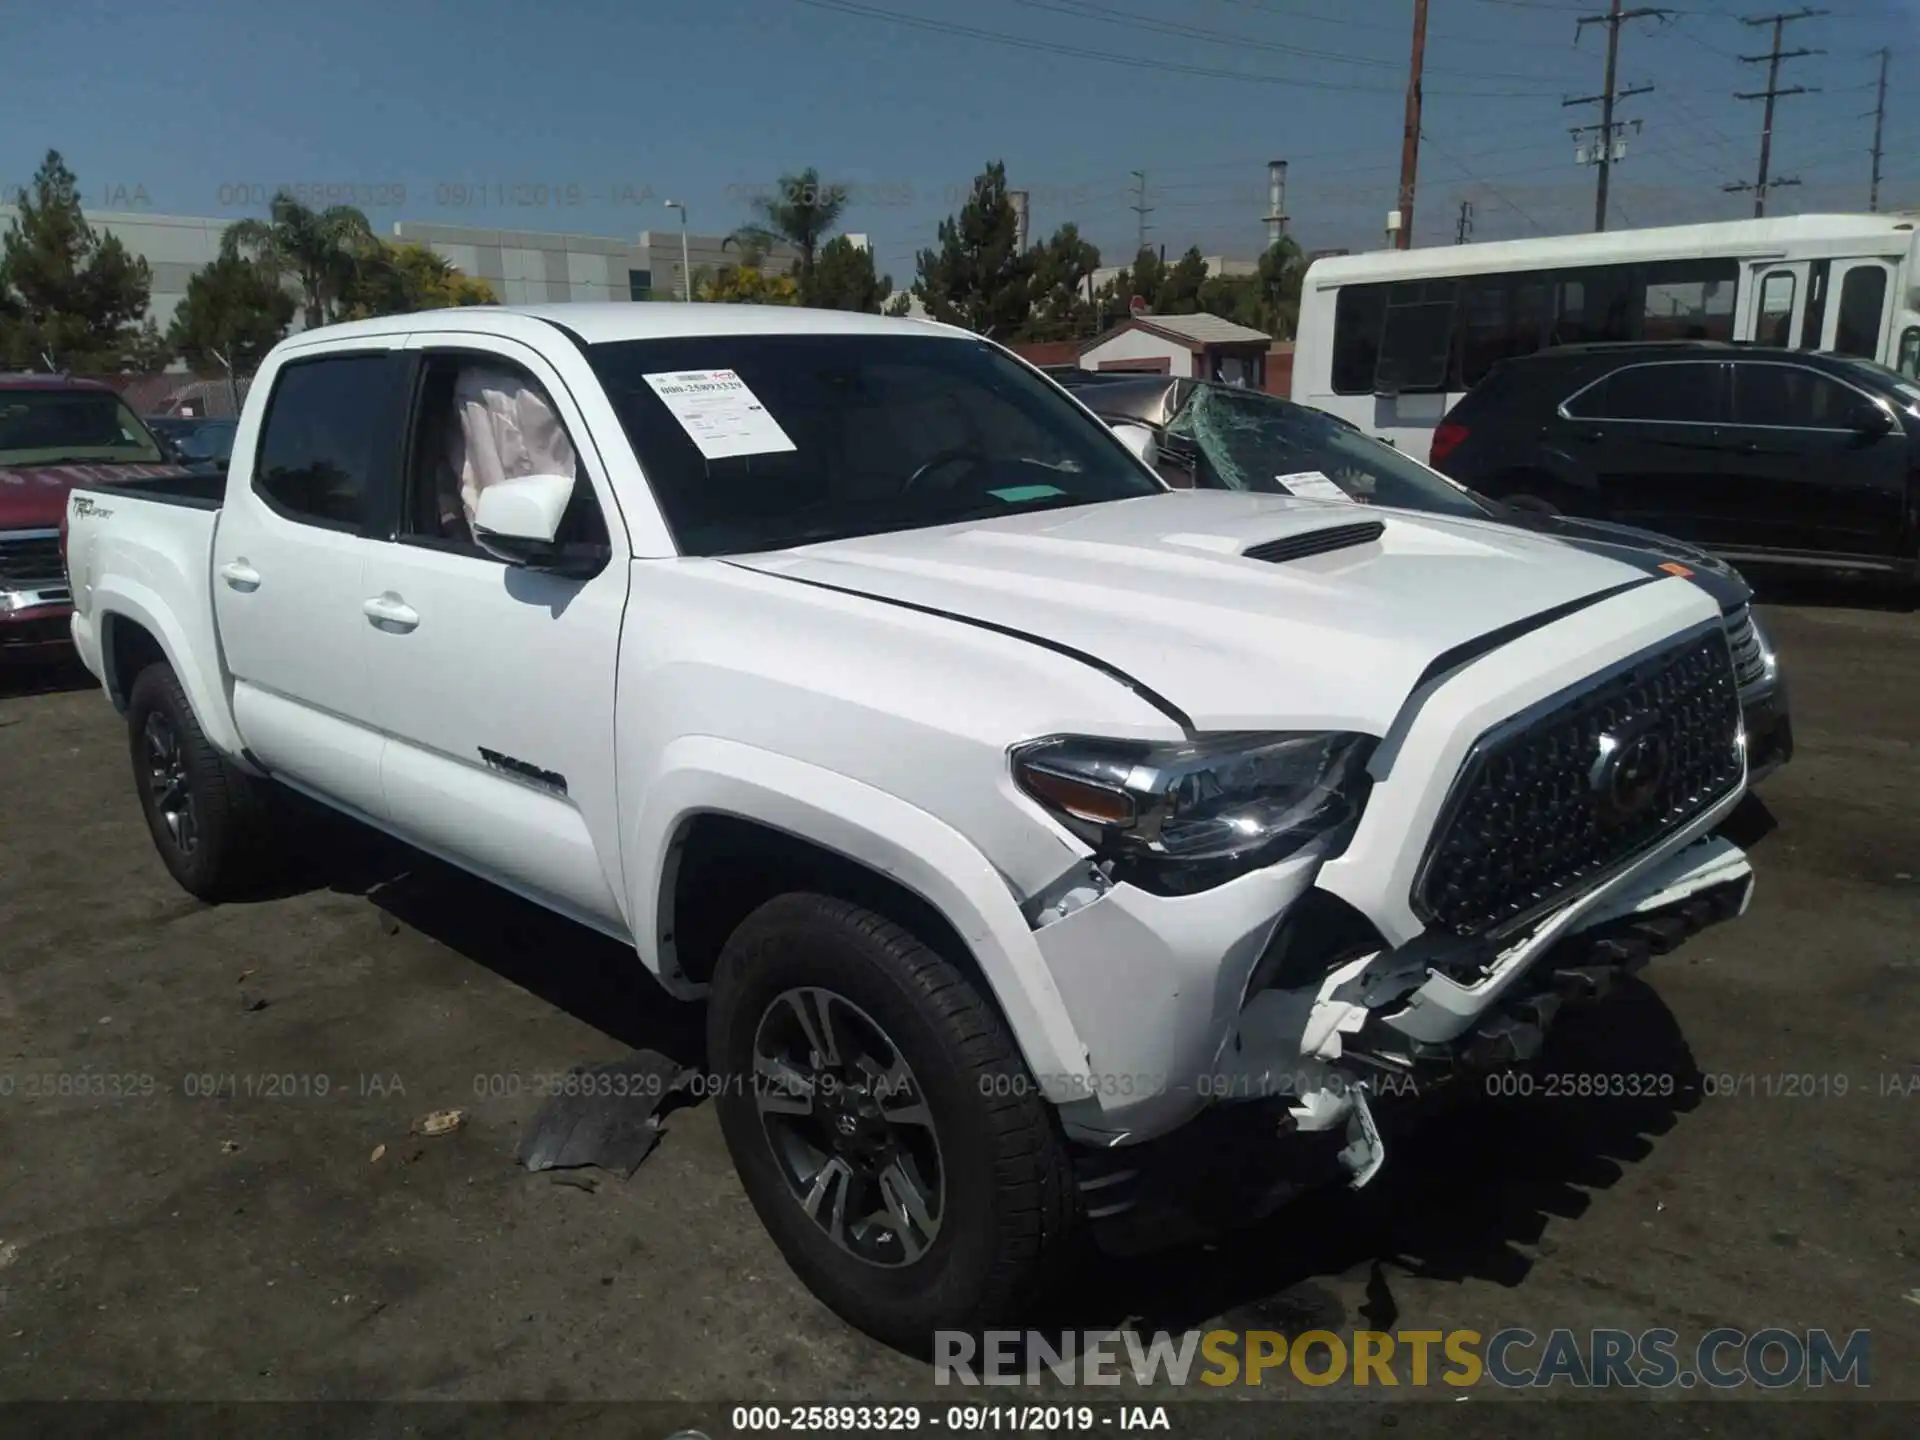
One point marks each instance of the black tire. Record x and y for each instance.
(225, 846)
(1010, 1220)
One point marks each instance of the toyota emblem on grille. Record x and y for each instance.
(1629, 772)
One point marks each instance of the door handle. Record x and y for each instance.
(390, 612)
(239, 575)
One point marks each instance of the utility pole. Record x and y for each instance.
(1762, 184)
(1608, 132)
(1879, 123)
(1465, 227)
(1410, 139)
(1141, 208)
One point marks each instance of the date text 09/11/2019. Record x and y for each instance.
(960, 1419)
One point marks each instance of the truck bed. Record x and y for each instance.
(202, 492)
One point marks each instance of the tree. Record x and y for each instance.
(802, 211)
(398, 279)
(1179, 289)
(67, 294)
(321, 249)
(1282, 269)
(1059, 271)
(843, 279)
(744, 285)
(977, 276)
(232, 314)
(899, 305)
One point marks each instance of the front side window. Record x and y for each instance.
(1863, 295)
(1909, 358)
(55, 427)
(1790, 397)
(1248, 441)
(759, 442)
(330, 438)
(1679, 393)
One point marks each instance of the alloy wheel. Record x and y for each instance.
(169, 784)
(849, 1126)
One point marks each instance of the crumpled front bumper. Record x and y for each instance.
(1313, 1084)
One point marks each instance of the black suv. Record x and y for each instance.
(1760, 455)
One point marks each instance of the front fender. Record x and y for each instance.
(119, 599)
(707, 775)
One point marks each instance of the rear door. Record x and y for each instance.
(1776, 303)
(495, 683)
(1646, 437)
(289, 551)
(1857, 322)
(1809, 480)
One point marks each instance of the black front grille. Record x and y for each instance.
(1749, 659)
(1539, 808)
(1316, 542)
(31, 564)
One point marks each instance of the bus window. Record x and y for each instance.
(1417, 338)
(1863, 295)
(1595, 303)
(1690, 300)
(1776, 309)
(1358, 314)
(1482, 335)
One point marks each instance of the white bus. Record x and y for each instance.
(1391, 340)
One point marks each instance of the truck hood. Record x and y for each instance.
(34, 497)
(1159, 589)
(1643, 549)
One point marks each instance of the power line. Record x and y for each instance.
(1133, 62)
(1762, 184)
(1610, 145)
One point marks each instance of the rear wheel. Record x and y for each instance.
(883, 1124)
(208, 818)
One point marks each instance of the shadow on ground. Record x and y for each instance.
(1846, 592)
(1468, 1196)
(590, 976)
(19, 679)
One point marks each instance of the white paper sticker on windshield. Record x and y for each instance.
(720, 414)
(1311, 485)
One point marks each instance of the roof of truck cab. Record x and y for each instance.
(50, 382)
(598, 323)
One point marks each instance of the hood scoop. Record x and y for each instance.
(1316, 542)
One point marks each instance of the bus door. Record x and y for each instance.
(1776, 303)
(1856, 322)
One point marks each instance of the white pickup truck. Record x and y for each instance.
(1062, 855)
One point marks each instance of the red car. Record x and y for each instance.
(55, 433)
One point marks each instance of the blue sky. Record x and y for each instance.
(585, 115)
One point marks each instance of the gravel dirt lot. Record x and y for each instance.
(258, 1242)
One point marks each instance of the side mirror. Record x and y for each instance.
(1869, 419)
(1140, 440)
(518, 519)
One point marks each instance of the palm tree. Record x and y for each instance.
(802, 211)
(322, 249)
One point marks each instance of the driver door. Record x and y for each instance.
(495, 683)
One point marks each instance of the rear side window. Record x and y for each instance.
(1790, 397)
(331, 439)
(1689, 393)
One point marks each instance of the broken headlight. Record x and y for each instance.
(1182, 816)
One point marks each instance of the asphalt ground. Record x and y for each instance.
(211, 1189)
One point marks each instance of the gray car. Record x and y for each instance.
(1215, 436)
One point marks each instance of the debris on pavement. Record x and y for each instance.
(9, 1252)
(440, 1122)
(378, 1151)
(606, 1116)
(228, 1147)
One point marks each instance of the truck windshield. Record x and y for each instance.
(54, 427)
(759, 442)
(1252, 441)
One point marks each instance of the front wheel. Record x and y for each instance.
(208, 818)
(883, 1124)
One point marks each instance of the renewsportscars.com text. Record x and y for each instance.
(1512, 1358)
